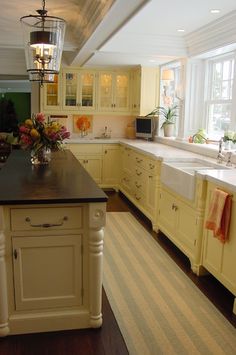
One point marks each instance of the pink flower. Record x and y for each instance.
(40, 117)
(65, 135)
(24, 129)
(168, 100)
(26, 140)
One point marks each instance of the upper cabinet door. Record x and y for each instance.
(70, 94)
(113, 92)
(51, 94)
(87, 91)
(79, 90)
(135, 91)
(121, 92)
(105, 91)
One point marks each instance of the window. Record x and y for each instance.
(218, 95)
(170, 87)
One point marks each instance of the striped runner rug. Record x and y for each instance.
(158, 309)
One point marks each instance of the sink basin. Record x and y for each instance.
(180, 175)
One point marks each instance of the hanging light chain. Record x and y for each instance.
(42, 12)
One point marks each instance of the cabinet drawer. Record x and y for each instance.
(46, 218)
(151, 166)
(139, 197)
(139, 160)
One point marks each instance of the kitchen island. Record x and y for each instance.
(51, 245)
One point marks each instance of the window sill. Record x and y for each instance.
(209, 150)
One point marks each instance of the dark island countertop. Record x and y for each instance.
(63, 180)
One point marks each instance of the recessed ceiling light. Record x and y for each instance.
(180, 30)
(152, 60)
(214, 11)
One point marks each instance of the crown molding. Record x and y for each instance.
(218, 33)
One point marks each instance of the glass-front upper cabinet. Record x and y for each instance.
(106, 92)
(113, 91)
(79, 90)
(121, 95)
(70, 89)
(51, 94)
(87, 90)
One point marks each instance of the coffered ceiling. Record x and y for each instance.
(115, 32)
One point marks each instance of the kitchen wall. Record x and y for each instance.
(116, 125)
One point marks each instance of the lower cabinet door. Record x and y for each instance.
(167, 213)
(186, 228)
(47, 271)
(93, 165)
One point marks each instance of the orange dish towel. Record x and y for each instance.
(219, 214)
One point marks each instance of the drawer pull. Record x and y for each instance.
(46, 225)
(15, 254)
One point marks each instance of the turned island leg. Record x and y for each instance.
(4, 329)
(97, 217)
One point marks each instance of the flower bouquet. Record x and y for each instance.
(41, 136)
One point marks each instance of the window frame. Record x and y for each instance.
(208, 86)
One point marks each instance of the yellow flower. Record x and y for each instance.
(34, 133)
(29, 123)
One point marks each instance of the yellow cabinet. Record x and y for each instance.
(127, 170)
(91, 157)
(113, 91)
(140, 182)
(51, 95)
(180, 223)
(93, 165)
(40, 283)
(111, 165)
(144, 90)
(135, 91)
(218, 258)
(78, 90)
(51, 268)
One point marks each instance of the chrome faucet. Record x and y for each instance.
(220, 156)
(229, 155)
(106, 134)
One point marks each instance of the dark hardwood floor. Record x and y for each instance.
(108, 340)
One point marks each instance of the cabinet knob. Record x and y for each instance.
(105, 151)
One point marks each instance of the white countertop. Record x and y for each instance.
(225, 178)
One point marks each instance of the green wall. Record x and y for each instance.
(21, 102)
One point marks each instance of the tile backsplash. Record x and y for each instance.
(116, 125)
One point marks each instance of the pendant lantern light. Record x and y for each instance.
(43, 40)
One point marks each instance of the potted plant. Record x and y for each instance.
(169, 114)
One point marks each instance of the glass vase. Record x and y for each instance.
(41, 156)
